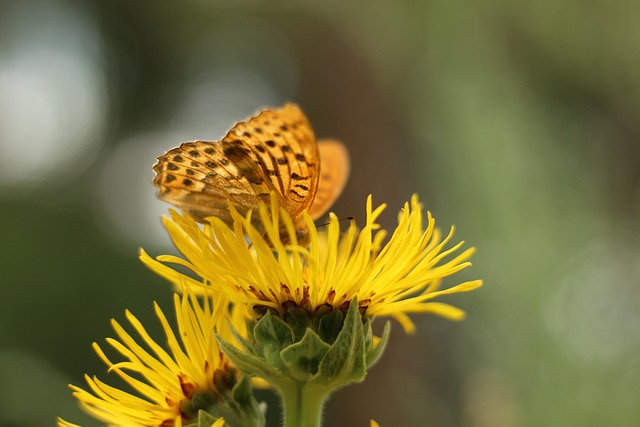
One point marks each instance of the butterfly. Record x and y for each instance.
(272, 153)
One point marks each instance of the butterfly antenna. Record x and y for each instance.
(347, 218)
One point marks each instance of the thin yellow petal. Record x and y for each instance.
(256, 268)
(161, 377)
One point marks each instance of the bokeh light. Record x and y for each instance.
(52, 107)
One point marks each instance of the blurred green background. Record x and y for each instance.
(519, 122)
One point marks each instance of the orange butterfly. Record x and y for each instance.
(273, 152)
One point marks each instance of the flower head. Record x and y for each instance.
(395, 278)
(170, 386)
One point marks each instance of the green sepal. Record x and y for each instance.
(272, 335)
(250, 324)
(247, 343)
(318, 314)
(330, 326)
(205, 419)
(344, 362)
(236, 406)
(243, 396)
(298, 319)
(203, 400)
(303, 358)
(368, 334)
(243, 392)
(248, 363)
(311, 354)
(373, 354)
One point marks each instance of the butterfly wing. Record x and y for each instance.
(287, 154)
(199, 178)
(334, 172)
(272, 151)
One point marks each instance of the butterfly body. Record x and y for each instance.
(272, 153)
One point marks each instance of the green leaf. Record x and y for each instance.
(303, 358)
(374, 354)
(344, 361)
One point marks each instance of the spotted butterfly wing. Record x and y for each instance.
(199, 179)
(274, 151)
(284, 147)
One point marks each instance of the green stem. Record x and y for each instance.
(303, 405)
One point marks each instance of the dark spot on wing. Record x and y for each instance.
(190, 172)
(187, 182)
(270, 143)
(235, 152)
(211, 164)
(260, 148)
(172, 167)
(224, 162)
(257, 130)
(170, 178)
(209, 150)
(282, 161)
(252, 176)
(285, 149)
(300, 157)
(178, 158)
(302, 187)
(194, 153)
(296, 193)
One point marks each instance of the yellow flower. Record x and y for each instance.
(165, 383)
(218, 423)
(399, 277)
